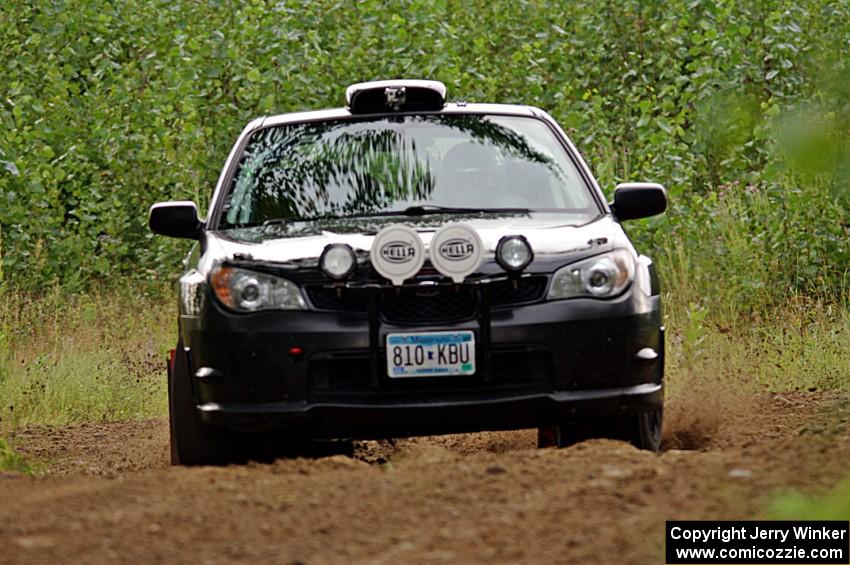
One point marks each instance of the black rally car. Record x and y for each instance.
(407, 266)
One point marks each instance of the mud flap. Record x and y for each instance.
(547, 437)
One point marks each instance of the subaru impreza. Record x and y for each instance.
(407, 266)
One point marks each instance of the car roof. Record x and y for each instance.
(343, 113)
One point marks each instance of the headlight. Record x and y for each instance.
(249, 291)
(603, 276)
(338, 261)
(513, 253)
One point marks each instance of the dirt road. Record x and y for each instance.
(109, 494)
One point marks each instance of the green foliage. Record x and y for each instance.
(67, 359)
(739, 108)
(13, 461)
(798, 506)
(800, 346)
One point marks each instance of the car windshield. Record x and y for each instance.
(380, 166)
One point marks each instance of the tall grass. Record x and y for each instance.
(752, 295)
(802, 345)
(74, 358)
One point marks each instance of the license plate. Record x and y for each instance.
(430, 354)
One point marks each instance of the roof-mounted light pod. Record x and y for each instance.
(338, 261)
(402, 95)
(514, 253)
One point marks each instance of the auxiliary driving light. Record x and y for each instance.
(338, 261)
(514, 253)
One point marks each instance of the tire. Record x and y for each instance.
(643, 430)
(192, 441)
(648, 430)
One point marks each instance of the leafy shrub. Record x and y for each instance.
(740, 108)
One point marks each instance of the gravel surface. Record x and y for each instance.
(108, 493)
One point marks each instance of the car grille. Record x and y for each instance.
(439, 304)
(506, 293)
(424, 305)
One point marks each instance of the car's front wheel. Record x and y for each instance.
(643, 430)
(647, 434)
(192, 441)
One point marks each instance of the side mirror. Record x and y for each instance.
(638, 200)
(175, 219)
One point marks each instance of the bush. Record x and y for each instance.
(740, 108)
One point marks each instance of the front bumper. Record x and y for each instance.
(542, 363)
(366, 421)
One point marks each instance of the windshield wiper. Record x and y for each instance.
(431, 209)
(418, 210)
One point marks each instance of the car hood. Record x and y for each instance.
(294, 244)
